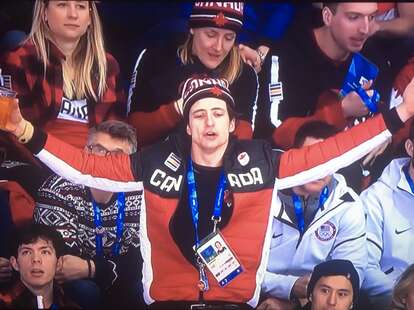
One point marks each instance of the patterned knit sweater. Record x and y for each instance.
(68, 207)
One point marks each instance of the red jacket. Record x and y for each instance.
(254, 172)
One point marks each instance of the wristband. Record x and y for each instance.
(27, 133)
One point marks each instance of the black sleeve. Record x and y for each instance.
(244, 91)
(139, 95)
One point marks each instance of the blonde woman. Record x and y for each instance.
(210, 49)
(403, 294)
(65, 80)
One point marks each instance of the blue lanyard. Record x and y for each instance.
(193, 201)
(297, 203)
(99, 230)
(409, 180)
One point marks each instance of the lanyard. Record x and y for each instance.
(193, 201)
(297, 203)
(409, 180)
(216, 218)
(99, 230)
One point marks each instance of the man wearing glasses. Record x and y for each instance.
(100, 228)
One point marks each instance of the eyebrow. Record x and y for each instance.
(362, 14)
(330, 287)
(26, 247)
(205, 110)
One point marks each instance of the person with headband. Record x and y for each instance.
(154, 104)
(64, 79)
(204, 185)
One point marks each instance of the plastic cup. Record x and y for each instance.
(6, 101)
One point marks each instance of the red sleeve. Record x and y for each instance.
(115, 172)
(243, 130)
(328, 109)
(151, 126)
(300, 166)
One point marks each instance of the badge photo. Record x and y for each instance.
(219, 259)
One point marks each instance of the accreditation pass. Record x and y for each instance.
(218, 258)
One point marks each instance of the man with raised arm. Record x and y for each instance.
(204, 186)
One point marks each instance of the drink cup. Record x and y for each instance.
(6, 100)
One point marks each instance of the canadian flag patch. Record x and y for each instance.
(243, 158)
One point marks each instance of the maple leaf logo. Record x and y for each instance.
(220, 20)
(216, 91)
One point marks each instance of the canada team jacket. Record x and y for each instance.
(390, 228)
(254, 171)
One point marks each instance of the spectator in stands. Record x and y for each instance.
(317, 221)
(110, 257)
(65, 80)
(334, 284)
(154, 102)
(390, 221)
(170, 173)
(324, 53)
(403, 294)
(36, 255)
(314, 60)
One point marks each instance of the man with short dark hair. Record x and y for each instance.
(101, 228)
(334, 284)
(37, 254)
(204, 185)
(311, 60)
(317, 221)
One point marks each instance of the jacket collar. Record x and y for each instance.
(312, 202)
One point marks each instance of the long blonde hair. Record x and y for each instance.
(88, 58)
(231, 66)
(402, 288)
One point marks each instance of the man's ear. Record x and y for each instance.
(13, 262)
(409, 147)
(327, 15)
(59, 263)
(232, 126)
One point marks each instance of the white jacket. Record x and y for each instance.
(336, 232)
(389, 205)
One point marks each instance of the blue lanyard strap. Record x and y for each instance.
(408, 177)
(297, 203)
(99, 230)
(193, 201)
